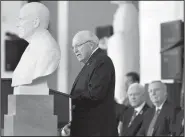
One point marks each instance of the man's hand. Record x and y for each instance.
(120, 126)
(66, 130)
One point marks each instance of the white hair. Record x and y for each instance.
(162, 85)
(136, 86)
(86, 35)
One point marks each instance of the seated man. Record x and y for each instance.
(158, 120)
(133, 116)
(131, 77)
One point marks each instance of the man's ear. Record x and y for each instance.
(92, 45)
(36, 22)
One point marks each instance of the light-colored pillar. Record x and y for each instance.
(62, 74)
(63, 70)
(123, 46)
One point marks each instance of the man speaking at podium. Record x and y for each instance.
(93, 112)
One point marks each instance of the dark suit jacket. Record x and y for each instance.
(164, 122)
(119, 109)
(136, 124)
(93, 98)
(178, 129)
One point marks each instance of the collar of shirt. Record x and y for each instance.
(160, 107)
(139, 108)
(92, 53)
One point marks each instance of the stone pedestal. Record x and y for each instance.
(30, 115)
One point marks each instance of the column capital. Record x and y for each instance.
(120, 2)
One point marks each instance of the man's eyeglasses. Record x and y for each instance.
(78, 46)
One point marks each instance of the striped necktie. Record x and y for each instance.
(133, 117)
(152, 124)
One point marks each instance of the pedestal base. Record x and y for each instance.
(17, 125)
(30, 115)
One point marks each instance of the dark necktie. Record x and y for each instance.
(133, 117)
(152, 124)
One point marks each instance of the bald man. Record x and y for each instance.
(133, 117)
(93, 111)
(41, 57)
(158, 120)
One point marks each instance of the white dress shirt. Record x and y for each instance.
(94, 50)
(160, 107)
(139, 108)
(93, 53)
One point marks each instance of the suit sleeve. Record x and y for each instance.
(173, 118)
(99, 82)
(142, 130)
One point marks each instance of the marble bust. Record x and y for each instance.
(41, 57)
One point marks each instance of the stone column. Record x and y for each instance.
(123, 46)
(30, 115)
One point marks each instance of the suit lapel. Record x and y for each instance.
(127, 120)
(138, 118)
(130, 116)
(145, 107)
(74, 84)
(136, 121)
(160, 117)
(150, 117)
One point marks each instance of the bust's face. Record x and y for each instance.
(25, 24)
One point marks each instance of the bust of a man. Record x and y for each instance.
(41, 57)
